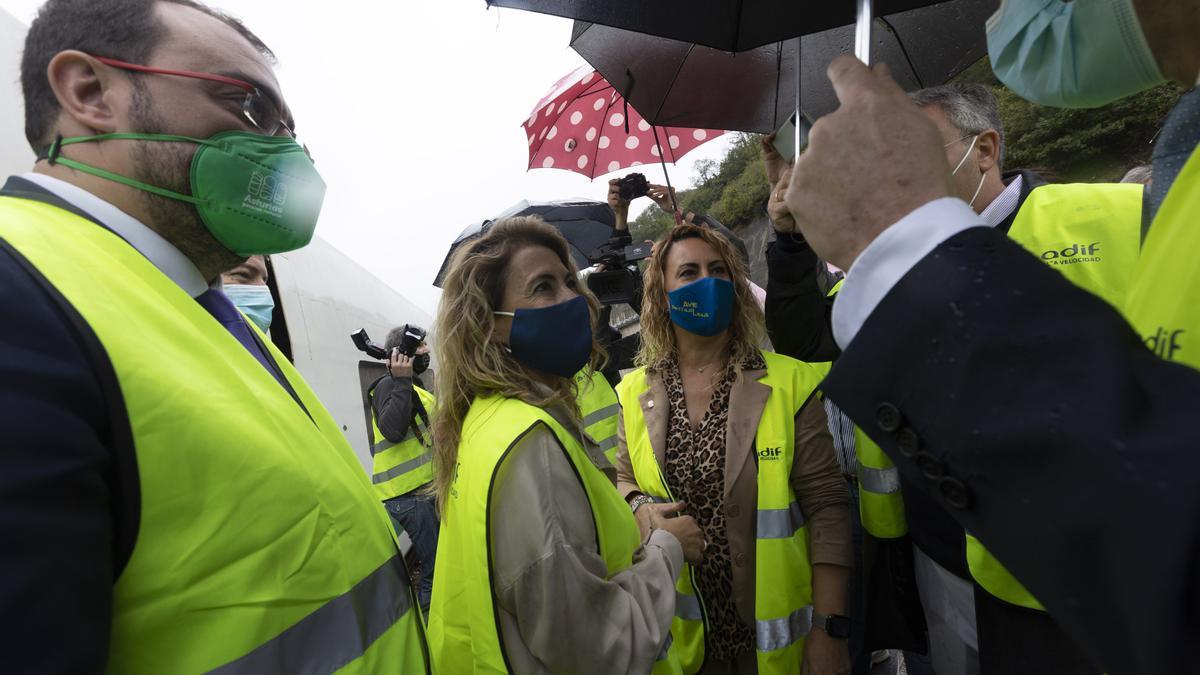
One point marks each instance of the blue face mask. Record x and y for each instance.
(1081, 54)
(703, 307)
(254, 301)
(556, 340)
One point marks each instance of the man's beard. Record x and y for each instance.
(168, 165)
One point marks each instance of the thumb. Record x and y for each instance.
(852, 79)
(673, 507)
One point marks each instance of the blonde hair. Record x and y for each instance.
(747, 327)
(472, 362)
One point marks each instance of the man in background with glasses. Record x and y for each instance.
(173, 496)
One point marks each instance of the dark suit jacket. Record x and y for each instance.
(1034, 415)
(1012, 640)
(69, 497)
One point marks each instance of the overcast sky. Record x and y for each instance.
(413, 113)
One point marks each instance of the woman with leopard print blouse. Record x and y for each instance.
(737, 435)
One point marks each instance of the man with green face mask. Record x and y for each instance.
(1025, 407)
(174, 496)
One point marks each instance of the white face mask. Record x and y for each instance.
(962, 161)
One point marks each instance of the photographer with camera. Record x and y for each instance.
(616, 278)
(400, 410)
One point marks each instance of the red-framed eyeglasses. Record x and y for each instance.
(258, 107)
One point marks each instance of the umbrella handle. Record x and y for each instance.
(862, 49)
(670, 191)
(862, 31)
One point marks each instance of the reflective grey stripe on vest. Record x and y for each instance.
(336, 633)
(601, 414)
(666, 648)
(687, 607)
(773, 634)
(780, 523)
(879, 481)
(608, 443)
(402, 468)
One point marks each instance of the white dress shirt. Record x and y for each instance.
(900, 247)
(160, 252)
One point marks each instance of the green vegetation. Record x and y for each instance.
(1065, 145)
(733, 192)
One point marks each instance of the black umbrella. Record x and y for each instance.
(585, 225)
(732, 25)
(729, 25)
(685, 84)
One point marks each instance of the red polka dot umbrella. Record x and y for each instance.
(584, 125)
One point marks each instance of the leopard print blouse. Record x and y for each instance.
(695, 471)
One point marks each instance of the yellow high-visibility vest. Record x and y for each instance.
(463, 633)
(400, 468)
(260, 546)
(599, 407)
(1162, 304)
(782, 573)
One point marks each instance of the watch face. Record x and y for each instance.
(838, 626)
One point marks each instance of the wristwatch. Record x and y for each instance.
(638, 501)
(834, 625)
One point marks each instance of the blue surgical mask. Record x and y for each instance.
(254, 301)
(1081, 54)
(703, 307)
(556, 340)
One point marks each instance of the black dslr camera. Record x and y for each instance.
(633, 186)
(413, 337)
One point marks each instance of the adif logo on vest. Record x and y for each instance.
(266, 193)
(1165, 343)
(770, 453)
(1075, 253)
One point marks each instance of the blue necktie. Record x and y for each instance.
(1179, 138)
(223, 310)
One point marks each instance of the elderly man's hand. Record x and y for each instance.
(868, 164)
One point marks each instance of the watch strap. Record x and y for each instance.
(834, 625)
(638, 501)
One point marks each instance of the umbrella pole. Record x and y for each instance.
(862, 49)
(670, 191)
(862, 31)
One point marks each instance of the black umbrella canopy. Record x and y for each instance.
(729, 25)
(586, 225)
(667, 79)
(923, 47)
(685, 84)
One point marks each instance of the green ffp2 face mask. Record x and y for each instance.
(256, 194)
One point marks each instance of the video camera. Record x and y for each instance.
(620, 281)
(617, 283)
(413, 337)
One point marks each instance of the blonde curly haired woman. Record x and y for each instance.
(736, 434)
(540, 565)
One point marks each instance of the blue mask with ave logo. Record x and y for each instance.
(703, 307)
